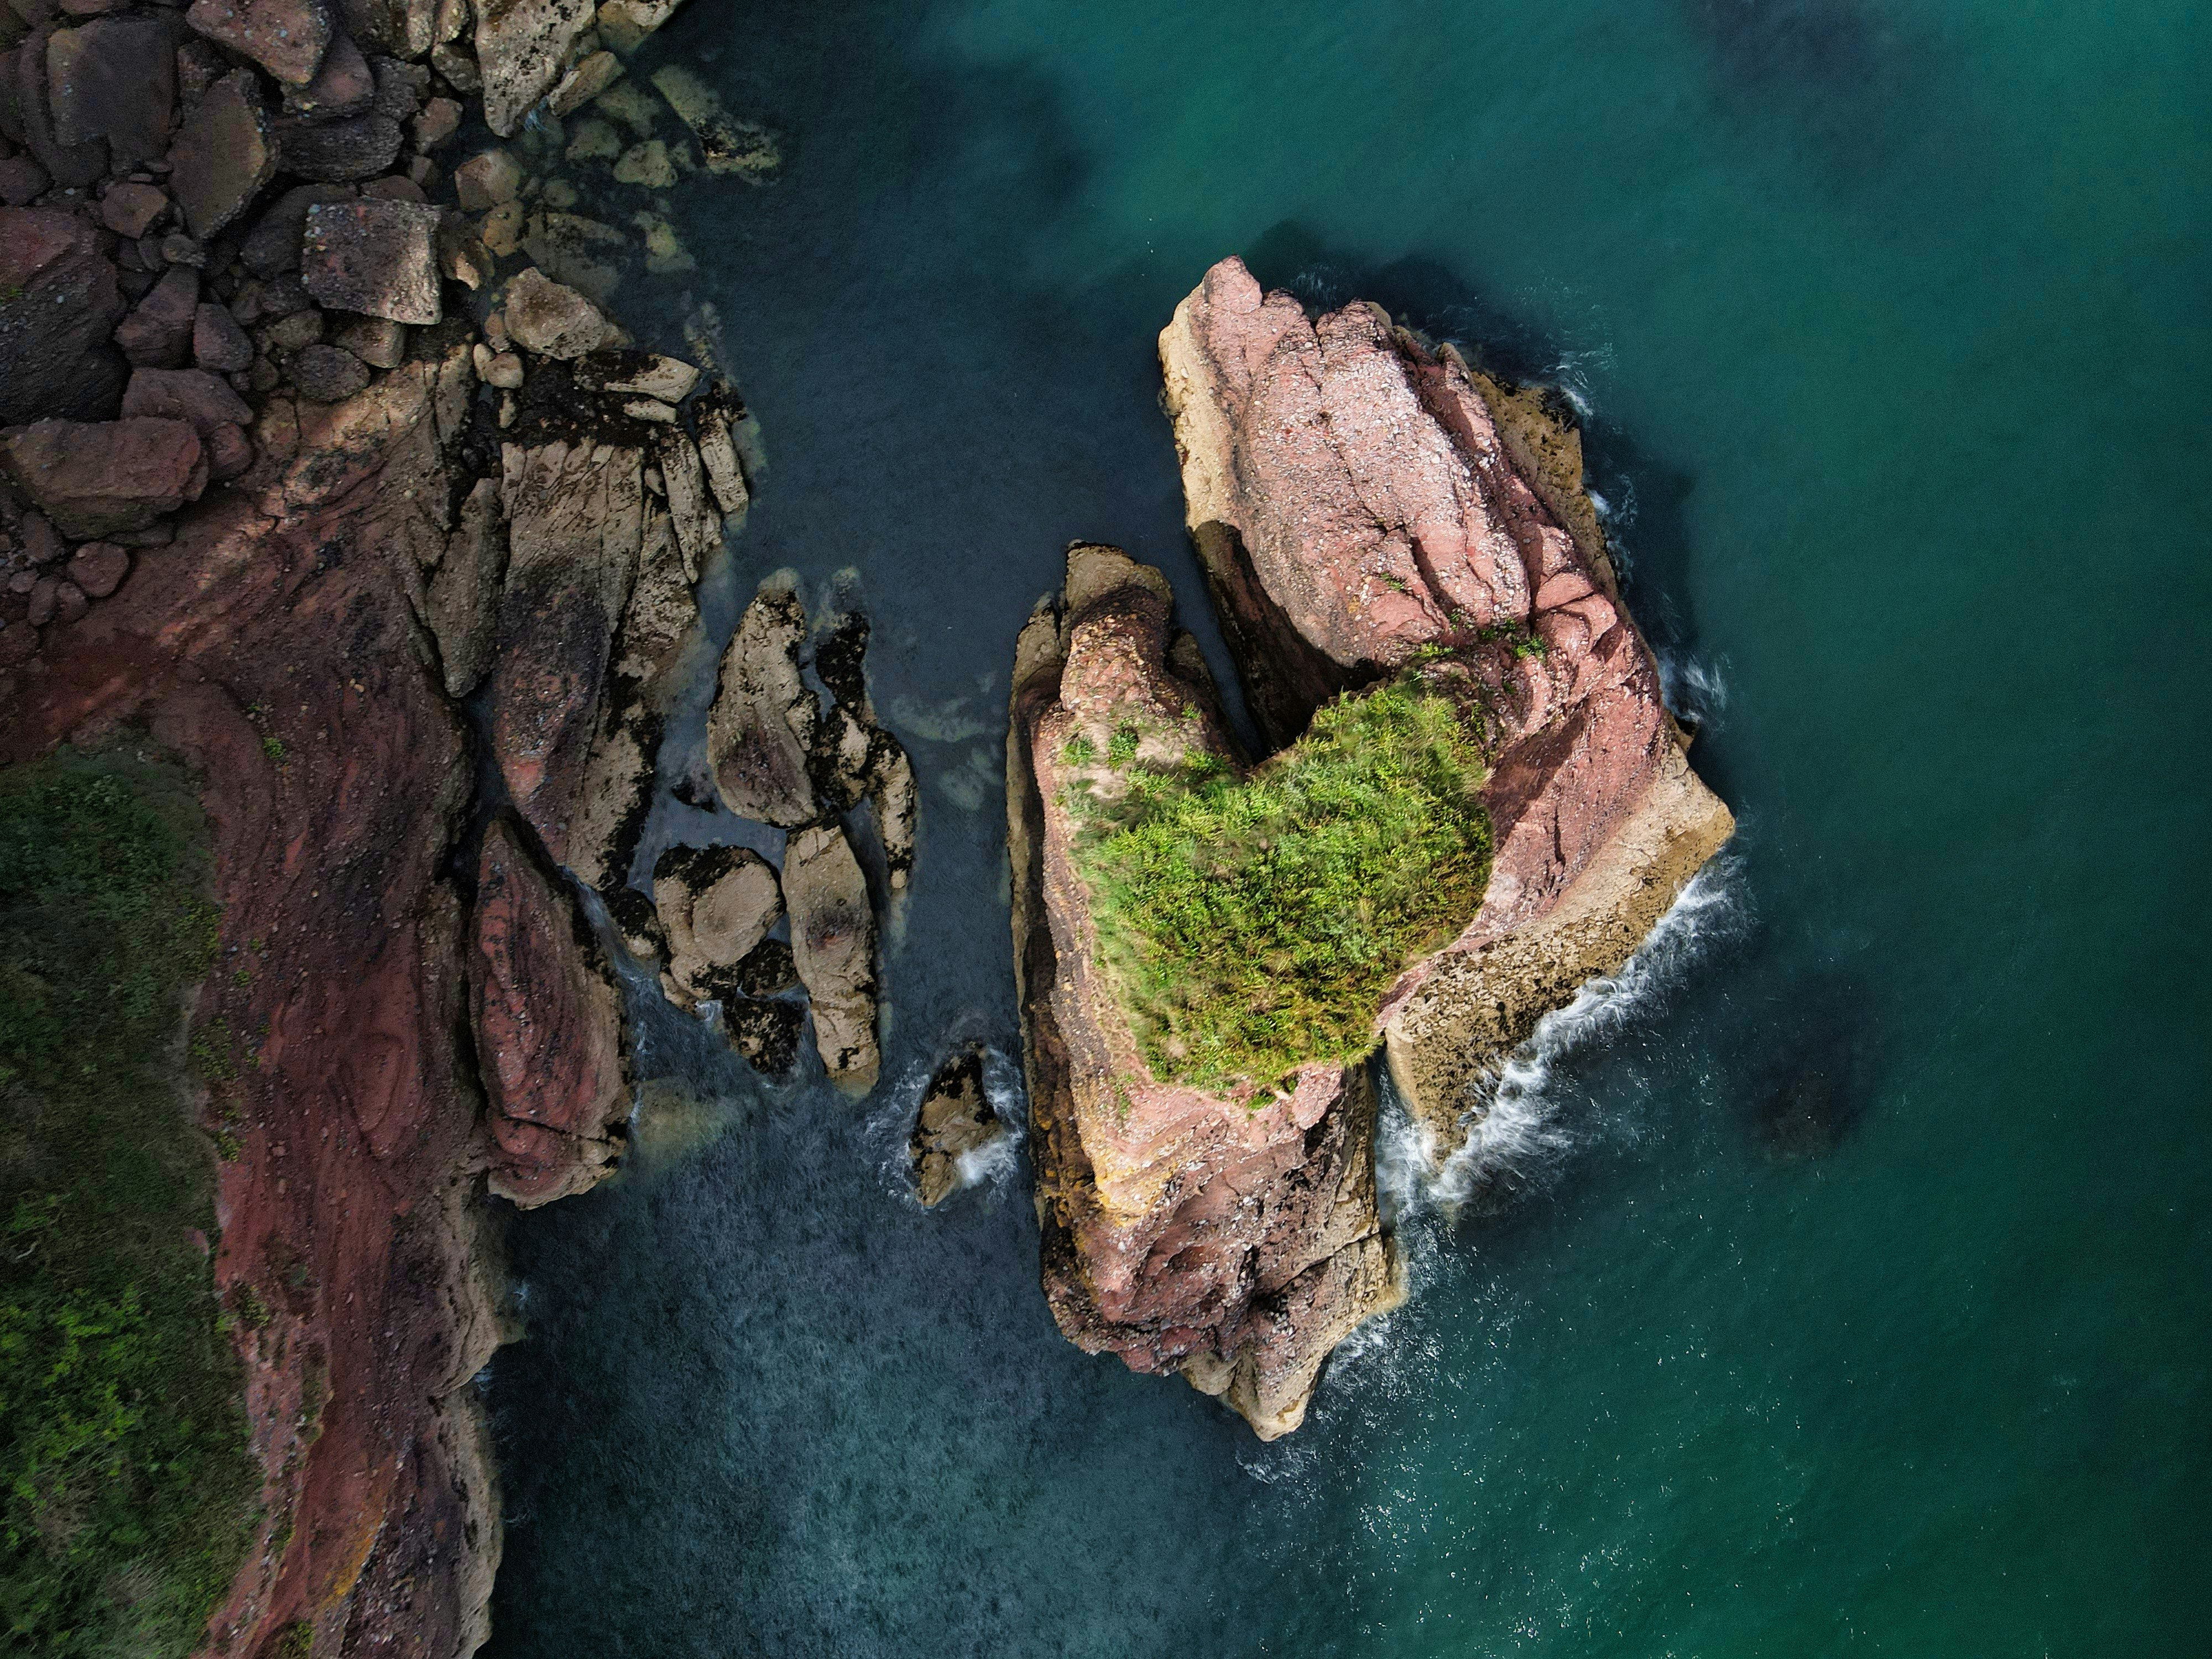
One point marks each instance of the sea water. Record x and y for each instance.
(1833, 1279)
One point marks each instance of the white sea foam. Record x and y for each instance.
(992, 1164)
(1696, 688)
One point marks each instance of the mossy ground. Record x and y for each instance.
(1252, 925)
(126, 1490)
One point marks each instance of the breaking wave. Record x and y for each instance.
(993, 1165)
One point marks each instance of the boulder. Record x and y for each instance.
(97, 478)
(114, 80)
(375, 257)
(200, 400)
(223, 155)
(715, 419)
(522, 51)
(344, 85)
(623, 24)
(59, 302)
(130, 208)
(833, 946)
(715, 904)
(764, 721)
(22, 181)
(662, 609)
(725, 143)
(99, 567)
(229, 452)
(547, 1017)
(26, 110)
(219, 344)
(591, 77)
(550, 319)
(641, 374)
(287, 37)
(377, 340)
(158, 333)
(333, 152)
(956, 1119)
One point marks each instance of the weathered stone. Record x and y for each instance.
(22, 181)
(765, 721)
(378, 258)
(649, 409)
(179, 249)
(522, 48)
(272, 246)
(287, 37)
(377, 340)
(344, 85)
(401, 86)
(294, 330)
(698, 527)
(956, 1119)
(462, 607)
(229, 452)
(548, 1030)
(19, 643)
(40, 611)
(590, 78)
(396, 187)
(58, 305)
(486, 180)
(115, 80)
(325, 374)
(99, 567)
(713, 419)
(833, 943)
(646, 165)
(223, 154)
(24, 108)
(662, 607)
(715, 904)
(440, 119)
(200, 399)
(728, 144)
(96, 478)
(130, 208)
(462, 256)
(360, 147)
(158, 333)
(587, 254)
(69, 602)
(550, 319)
(41, 541)
(219, 344)
(458, 66)
(644, 374)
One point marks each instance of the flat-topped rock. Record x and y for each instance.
(378, 257)
(833, 944)
(223, 154)
(104, 478)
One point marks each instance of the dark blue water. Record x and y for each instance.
(1845, 1283)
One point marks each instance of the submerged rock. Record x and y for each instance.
(956, 1118)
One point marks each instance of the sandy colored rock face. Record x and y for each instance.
(956, 1118)
(715, 904)
(553, 320)
(764, 719)
(522, 51)
(833, 943)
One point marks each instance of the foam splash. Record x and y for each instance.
(1695, 689)
(993, 1165)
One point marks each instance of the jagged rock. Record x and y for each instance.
(223, 154)
(714, 418)
(574, 522)
(521, 51)
(115, 80)
(765, 1033)
(99, 567)
(715, 904)
(643, 373)
(727, 145)
(375, 257)
(623, 24)
(956, 1119)
(662, 608)
(325, 374)
(287, 37)
(219, 344)
(158, 333)
(97, 478)
(550, 319)
(763, 722)
(855, 758)
(458, 66)
(590, 78)
(344, 84)
(548, 1030)
(63, 305)
(24, 104)
(130, 208)
(22, 181)
(190, 395)
(377, 340)
(833, 946)
(462, 600)
(637, 923)
(698, 527)
(646, 165)
(334, 152)
(486, 180)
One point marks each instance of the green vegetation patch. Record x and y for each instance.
(1251, 925)
(127, 1494)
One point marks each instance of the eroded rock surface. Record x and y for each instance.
(956, 1118)
(765, 720)
(833, 944)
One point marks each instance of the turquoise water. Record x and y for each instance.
(1845, 1285)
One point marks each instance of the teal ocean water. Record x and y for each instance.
(1840, 1283)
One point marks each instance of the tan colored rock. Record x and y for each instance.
(553, 320)
(590, 78)
(727, 145)
(764, 720)
(833, 942)
(647, 166)
(712, 418)
(643, 373)
(486, 180)
(662, 609)
(956, 1118)
(522, 48)
(715, 904)
(623, 24)
(698, 527)
(585, 253)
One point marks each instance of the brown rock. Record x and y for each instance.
(462, 603)
(191, 395)
(42, 543)
(19, 643)
(158, 333)
(440, 120)
(223, 155)
(698, 527)
(130, 208)
(22, 181)
(550, 319)
(833, 945)
(548, 1033)
(377, 340)
(96, 478)
(99, 567)
(330, 152)
(342, 86)
(58, 305)
(219, 344)
(115, 80)
(69, 602)
(229, 453)
(486, 180)
(294, 330)
(375, 257)
(764, 722)
(272, 246)
(521, 51)
(956, 1119)
(24, 101)
(715, 904)
(41, 610)
(590, 78)
(396, 187)
(325, 374)
(287, 37)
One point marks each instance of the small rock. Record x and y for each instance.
(458, 66)
(191, 395)
(440, 120)
(649, 409)
(646, 165)
(558, 193)
(594, 141)
(22, 181)
(96, 478)
(630, 104)
(218, 342)
(501, 230)
(41, 541)
(272, 246)
(590, 78)
(42, 601)
(504, 371)
(294, 330)
(401, 86)
(375, 257)
(956, 1119)
(335, 151)
(158, 333)
(263, 377)
(485, 180)
(115, 80)
(99, 567)
(229, 453)
(70, 603)
(223, 155)
(179, 249)
(646, 375)
(715, 904)
(551, 319)
(461, 257)
(325, 374)
(342, 86)
(64, 304)
(377, 340)
(287, 37)
(130, 208)
(728, 145)
(665, 253)
(395, 187)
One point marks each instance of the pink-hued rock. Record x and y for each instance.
(223, 154)
(158, 333)
(130, 208)
(287, 37)
(55, 358)
(200, 400)
(100, 477)
(99, 567)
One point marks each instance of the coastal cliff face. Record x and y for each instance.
(1371, 511)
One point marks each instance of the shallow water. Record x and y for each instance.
(1842, 1283)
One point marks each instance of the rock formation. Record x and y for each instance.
(1364, 503)
(954, 1119)
(833, 947)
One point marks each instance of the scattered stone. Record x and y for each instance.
(202, 400)
(219, 344)
(462, 599)
(440, 119)
(96, 478)
(486, 180)
(179, 249)
(287, 37)
(594, 141)
(294, 330)
(631, 105)
(401, 86)
(646, 165)
(130, 208)
(229, 453)
(22, 181)
(325, 374)
(99, 567)
(272, 246)
(590, 78)
(623, 24)
(715, 904)
(665, 253)
(375, 257)
(763, 722)
(501, 369)
(728, 145)
(115, 80)
(158, 333)
(522, 48)
(54, 332)
(833, 944)
(956, 1119)
(41, 541)
(69, 602)
(334, 151)
(377, 340)
(41, 610)
(223, 155)
(501, 230)
(551, 319)
(584, 253)
(395, 187)
(343, 86)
